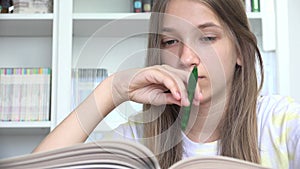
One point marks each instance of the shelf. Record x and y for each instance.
(30, 124)
(102, 6)
(111, 16)
(25, 25)
(118, 24)
(110, 24)
(254, 15)
(26, 16)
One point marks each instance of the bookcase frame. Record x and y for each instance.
(62, 33)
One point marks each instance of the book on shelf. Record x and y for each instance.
(142, 6)
(84, 81)
(24, 94)
(33, 6)
(252, 5)
(115, 154)
(6, 6)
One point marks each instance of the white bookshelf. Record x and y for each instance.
(26, 41)
(109, 25)
(111, 16)
(23, 124)
(254, 15)
(19, 16)
(58, 41)
(26, 25)
(123, 40)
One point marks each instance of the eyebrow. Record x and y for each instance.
(208, 24)
(201, 26)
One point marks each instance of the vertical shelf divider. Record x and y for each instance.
(62, 69)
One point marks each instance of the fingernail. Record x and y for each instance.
(186, 102)
(177, 95)
(200, 96)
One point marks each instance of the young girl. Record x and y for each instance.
(228, 116)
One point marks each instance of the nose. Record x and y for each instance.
(188, 57)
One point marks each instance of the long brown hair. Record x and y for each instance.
(238, 135)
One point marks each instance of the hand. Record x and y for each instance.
(156, 85)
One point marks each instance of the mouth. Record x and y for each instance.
(201, 77)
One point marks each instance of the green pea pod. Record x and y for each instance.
(191, 92)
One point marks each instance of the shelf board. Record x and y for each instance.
(26, 16)
(118, 24)
(254, 15)
(111, 16)
(29, 124)
(110, 24)
(133, 16)
(19, 25)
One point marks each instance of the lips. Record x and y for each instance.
(201, 77)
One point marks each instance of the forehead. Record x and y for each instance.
(190, 11)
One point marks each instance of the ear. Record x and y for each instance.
(239, 60)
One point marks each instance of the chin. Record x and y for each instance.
(205, 99)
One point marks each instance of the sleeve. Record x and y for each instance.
(294, 152)
(128, 131)
(280, 133)
(293, 138)
(291, 123)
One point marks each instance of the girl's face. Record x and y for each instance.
(192, 35)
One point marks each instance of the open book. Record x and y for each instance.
(114, 154)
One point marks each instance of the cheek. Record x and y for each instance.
(220, 63)
(229, 61)
(170, 57)
(227, 55)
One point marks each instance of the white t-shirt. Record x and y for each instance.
(278, 134)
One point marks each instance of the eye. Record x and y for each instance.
(169, 42)
(208, 38)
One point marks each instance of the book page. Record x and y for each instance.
(114, 153)
(215, 162)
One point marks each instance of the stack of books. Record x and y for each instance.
(33, 6)
(84, 81)
(25, 94)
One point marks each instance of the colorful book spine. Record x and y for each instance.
(16, 95)
(25, 94)
(252, 5)
(147, 5)
(83, 83)
(137, 6)
(255, 5)
(142, 6)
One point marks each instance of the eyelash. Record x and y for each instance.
(171, 42)
(208, 39)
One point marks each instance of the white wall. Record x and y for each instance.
(294, 42)
(287, 33)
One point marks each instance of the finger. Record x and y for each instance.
(180, 95)
(170, 99)
(197, 96)
(164, 98)
(179, 77)
(173, 83)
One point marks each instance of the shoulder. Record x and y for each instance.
(277, 102)
(277, 107)
(278, 111)
(279, 117)
(129, 131)
(279, 129)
